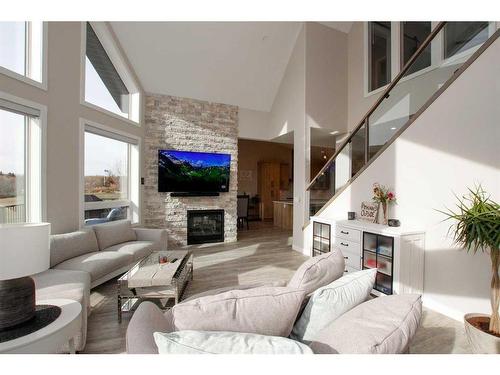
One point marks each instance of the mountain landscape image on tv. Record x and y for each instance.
(191, 172)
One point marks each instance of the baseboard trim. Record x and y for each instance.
(439, 308)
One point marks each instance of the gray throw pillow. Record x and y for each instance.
(202, 342)
(331, 301)
(70, 245)
(318, 271)
(113, 233)
(267, 311)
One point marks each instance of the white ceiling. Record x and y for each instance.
(239, 63)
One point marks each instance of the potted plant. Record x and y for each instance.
(477, 228)
(382, 195)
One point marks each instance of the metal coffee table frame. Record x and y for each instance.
(129, 298)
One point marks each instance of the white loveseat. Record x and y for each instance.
(84, 259)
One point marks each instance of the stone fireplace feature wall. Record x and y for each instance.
(188, 125)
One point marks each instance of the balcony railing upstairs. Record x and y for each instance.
(12, 214)
(404, 99)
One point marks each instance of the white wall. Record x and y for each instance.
(451, 146)
(254, 124)
(326, 77)
(288, 114)
(64, 110)
(312, 93)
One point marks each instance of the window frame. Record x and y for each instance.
(401, 50)
(492, 26)
(25, 78)
(134, 160)
(394, 59)
(35, 151)
(437, 54)
(108, 41)
(367, 56)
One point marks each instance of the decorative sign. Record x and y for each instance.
(369, 211)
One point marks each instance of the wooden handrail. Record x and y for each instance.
(385, 94)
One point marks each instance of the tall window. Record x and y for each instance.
(379, 54)
(461, 36)
(20, 163)
(21, 48)
(111, 168)
(104, 86)
(412, 36)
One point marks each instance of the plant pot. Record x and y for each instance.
(480, 341)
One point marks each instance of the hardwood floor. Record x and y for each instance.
(262, 254)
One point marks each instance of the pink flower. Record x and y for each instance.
(390, 196)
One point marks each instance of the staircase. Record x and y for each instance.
(400, 104)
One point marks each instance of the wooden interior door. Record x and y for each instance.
(269, 186)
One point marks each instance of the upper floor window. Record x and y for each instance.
(379, 54)
(106, 85)
(21, 49)
(413, 35)
(462, 36)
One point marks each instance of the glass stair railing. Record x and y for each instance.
(404, 99)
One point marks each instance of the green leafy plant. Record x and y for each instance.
(477, 228)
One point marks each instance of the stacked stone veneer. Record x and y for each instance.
(188, 125)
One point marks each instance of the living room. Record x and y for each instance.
(249, 185)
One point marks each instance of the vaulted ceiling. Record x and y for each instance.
(239, 63)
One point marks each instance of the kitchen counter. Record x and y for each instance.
(284, 202)
(283, 214)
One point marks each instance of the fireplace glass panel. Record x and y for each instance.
(205, 226)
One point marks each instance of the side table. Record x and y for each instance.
(51, 338)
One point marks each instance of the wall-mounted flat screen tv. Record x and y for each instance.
(192, 172)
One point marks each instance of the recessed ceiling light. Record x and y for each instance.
(393, 128)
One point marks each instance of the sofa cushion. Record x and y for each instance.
(318, 271)
(212, 292)
(384, 325)
(69, 245)
(331, 301)
(113, 233)
(203, 342)
(138, 249)
(97, 264)
(74, 285)
(267, 311)
(147, 319)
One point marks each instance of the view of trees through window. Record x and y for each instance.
(106, 178)
(12, 170)
(105, 168)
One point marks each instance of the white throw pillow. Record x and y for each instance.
(205, 342)
(331, 301)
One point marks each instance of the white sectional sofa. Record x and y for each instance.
(83, 259)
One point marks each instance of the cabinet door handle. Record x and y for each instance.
(346, 257)
(344, 232)
(344, 244)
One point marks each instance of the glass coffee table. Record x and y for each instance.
(151, 280)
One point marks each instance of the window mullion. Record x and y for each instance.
(27, 171)
(395, 49)
(27, 49)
